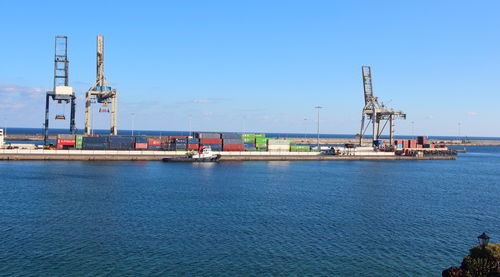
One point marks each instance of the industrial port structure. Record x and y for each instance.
(241, 146)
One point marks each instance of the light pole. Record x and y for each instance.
(133, 119)
(459, 130)
(317, 141)
(412, 123)
(305, 127)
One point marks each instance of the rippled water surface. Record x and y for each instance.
(363, 218)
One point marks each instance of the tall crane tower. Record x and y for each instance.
(376, 112)
(62, 93)
(102, 93)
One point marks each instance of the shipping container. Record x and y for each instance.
(208, 135)
(214, 147)
(66, 141)
(231, 136)
(141, 145)
(95, 145)
(278, 148)
(249, 144)
(233, 147)
(193, 141)
(422, 140)
(193, 146)
(300, 148)
(232, 141)
(260, 135)
(210, 141)
(141, 139)
(78, 141)
(87, 139)
(154, 142)
(155, 147)
(261, 141)
(181, 146)
(65, 136)
(181, 140)
(278, 142)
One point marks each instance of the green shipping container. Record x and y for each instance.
(260, 135)
(260, 140)
(78, 141)
(248, 135)
(300, 148)
(249, 140)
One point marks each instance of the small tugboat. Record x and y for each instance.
(204, 155)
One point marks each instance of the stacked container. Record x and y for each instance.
(95, 143)
(78, 141)
(121, 142)
(300, 148)
(193, 143)
(232, 142)
(260, 144)
(248, 138)
(141, 143)
(180, 144)
(154, 144)
(422, 140)
(210, 139)
(65, 141)
(278, 145)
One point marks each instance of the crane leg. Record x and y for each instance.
(87, 113)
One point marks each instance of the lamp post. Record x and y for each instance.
(133, 119)
(483, 240)
(305, 127)
(317, 141)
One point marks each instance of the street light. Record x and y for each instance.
(305, 127)
(318, 108)
(483, 240)
(133, 117)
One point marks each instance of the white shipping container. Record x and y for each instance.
(64, 90)
(278, 148)
(278, 142)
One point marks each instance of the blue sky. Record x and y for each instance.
(260, 65)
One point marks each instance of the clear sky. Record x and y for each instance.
(260, 65)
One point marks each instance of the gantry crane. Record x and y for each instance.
(61, 92)
(376, 111)
(101, 92)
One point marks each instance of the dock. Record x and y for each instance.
(110, 155)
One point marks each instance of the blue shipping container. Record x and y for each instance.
(141, 139)
(181, 140)
(193, 141)
(95, 139)
(249, 145)
(95, 146)
(155, 147)
(215, 147)
(180, 146)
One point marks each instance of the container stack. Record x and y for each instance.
(65, 141)
(193, 143)
(78, 141)
(300, 148)
(260, 144)
(141, 143)
(232, 142)
(278, 145)
(210, 139)
(95, 143)
(399, 143)
(121, 142)
(181, 144)
(154, 144)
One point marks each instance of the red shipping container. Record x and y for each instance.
(420, 146)
(141, 146)
(210, 141)
(66, 142)
(59, 146)
(233, 147)
(154, 142)
(193, 146)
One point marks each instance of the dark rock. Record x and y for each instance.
(453, 272)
